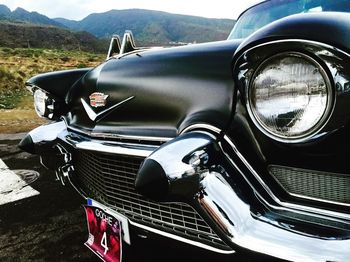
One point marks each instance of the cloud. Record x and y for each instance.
(78, 9)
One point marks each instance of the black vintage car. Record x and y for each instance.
(242, 143)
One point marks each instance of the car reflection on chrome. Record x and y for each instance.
(241, 143)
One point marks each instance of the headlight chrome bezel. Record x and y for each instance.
(309, 133)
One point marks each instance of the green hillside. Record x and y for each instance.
(36, 36)
(19, 64)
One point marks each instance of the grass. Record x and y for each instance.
(19, 64)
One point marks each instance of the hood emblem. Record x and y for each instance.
(98, 99)
(96, 117)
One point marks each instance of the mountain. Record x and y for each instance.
(153, 27)
(23, 16)
(4, 11)
(37, 36)
(68, 23)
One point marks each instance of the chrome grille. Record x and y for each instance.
(110, 179)
(322, 186)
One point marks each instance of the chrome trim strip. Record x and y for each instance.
(114, 149)
(201, 126)
(299, 41)
(145, 138)
(86, 133)
(178, 238)
(118, 136)
(295, 207)
(318, 199)
(131, 137)
(80, 192)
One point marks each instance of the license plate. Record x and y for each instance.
(105, 233)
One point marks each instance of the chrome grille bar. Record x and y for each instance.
(313, 185)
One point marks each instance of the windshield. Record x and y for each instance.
(269, 11)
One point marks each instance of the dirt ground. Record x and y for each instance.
(19, 120)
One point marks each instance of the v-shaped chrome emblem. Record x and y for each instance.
(97, 117)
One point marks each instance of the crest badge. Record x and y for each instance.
(98, 99)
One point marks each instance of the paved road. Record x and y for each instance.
(51, 226)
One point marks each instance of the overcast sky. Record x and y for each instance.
(78, 9)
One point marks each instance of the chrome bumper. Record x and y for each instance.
(195, 169)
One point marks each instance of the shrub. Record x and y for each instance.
(82, 65)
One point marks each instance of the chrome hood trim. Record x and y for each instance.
(114, 148)
(57, 133)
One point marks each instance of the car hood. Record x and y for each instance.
(156, 93)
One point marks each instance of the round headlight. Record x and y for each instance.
(40, 100)
(289, 97)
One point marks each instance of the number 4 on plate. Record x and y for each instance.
(104, 243)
